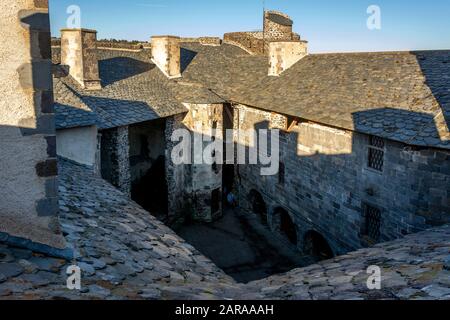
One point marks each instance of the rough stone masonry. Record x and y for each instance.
(28, 167)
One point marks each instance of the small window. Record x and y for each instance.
(376, 153)
(372, 222)
(281, 174)
(215, 201)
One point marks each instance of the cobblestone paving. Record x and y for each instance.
(125, 253)
(416, 267)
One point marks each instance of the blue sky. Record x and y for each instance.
(328, 25)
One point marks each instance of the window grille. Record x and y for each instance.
(376, 153)
(372, 223)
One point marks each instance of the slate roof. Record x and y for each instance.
(70, 110)
(403, 96)
(133, 90)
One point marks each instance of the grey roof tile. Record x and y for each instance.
(367, 92)
(391, 94)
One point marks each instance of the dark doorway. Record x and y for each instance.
(148, 167)
(258, 205)
(228, 177)
(287, 227)
(151, 191)
(317, 247)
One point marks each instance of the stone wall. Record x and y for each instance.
(277, 27)
(28, 166)
(115, 158)
(79, 145)
(246, 41)
(284, 54)
(206, 178)
(176, 175)
(206, 41)
(191, 186)
(327, 183)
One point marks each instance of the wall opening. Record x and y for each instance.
(148, 166)
(150, 191)
(227, 169)
(317, 247)
(258, 205)
(284, 224)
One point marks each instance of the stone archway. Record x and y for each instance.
(258, 205)
(284, 224)
(317, 246)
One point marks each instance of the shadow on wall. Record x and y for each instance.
(331, 201)
(433, 65)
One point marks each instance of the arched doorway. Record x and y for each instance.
(317, 247)
(284, 224)
(258, 205)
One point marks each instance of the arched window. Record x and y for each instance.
(317, 247)
(284, 224)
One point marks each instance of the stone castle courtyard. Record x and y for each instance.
(126, 254)
(241, 167)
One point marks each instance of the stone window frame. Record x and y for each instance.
(376, 146)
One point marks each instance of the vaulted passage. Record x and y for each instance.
(316, 246)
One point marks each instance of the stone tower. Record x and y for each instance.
(278, 27)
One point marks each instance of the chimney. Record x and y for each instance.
(166, 55)
(284, 54)
(78, 51)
